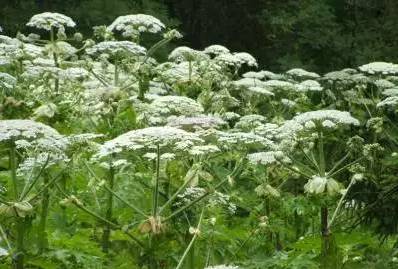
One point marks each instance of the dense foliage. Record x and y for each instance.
(317, 35)
(113, 158)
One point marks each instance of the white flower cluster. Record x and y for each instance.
(183, 53)
(7, 81)
(267, 157)
(116, 47)
(390, 92)
(80, 140)
(327, 118)
(236, 59)
(253, 85)
(32, 132)
(288, 103)
(149, 139)
(309, 86)
(203, 150)
(301, 73)
(39, 161)
(74, 73)
(264, 74)
(200, 121)
(216, 50)
(391, 101)
(383, 84)
(268, 130)
(163, 107)
(279, 84)
(380, 68)
(178, 72)
(250, 122)
(266, 190)
(48, 20)
(133, 25)
(228, 140)
(223, 266)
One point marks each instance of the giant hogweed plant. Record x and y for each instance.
(197, 162)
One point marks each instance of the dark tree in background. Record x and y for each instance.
(319, 35)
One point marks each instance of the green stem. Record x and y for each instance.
(336, 211)
(42, 234)
(181, 209)
(345, 167)
(139, 211)
(174, 196)
(29, 187)
(116, 74)
(109, 212)
(13, 170)
(105, 221)
(321, 155)
(18, 256)
(337, 164)
(156, 186)
(181, 262)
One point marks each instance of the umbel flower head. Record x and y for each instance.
(223, 266)
(236, 59)
(216, 50)
(116, 47)
(338, 117)
(200, 121)
(321, 118)
(133, 25)
(48, 20)
(380, 68)
(163, 107)
(183, 53)
(301, 73)
(148, 139)
(28, 132)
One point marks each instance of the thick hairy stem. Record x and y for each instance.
(18, 256)
(109, 213)
(45, 202)
(329, 252)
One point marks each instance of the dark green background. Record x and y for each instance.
(320, 35)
